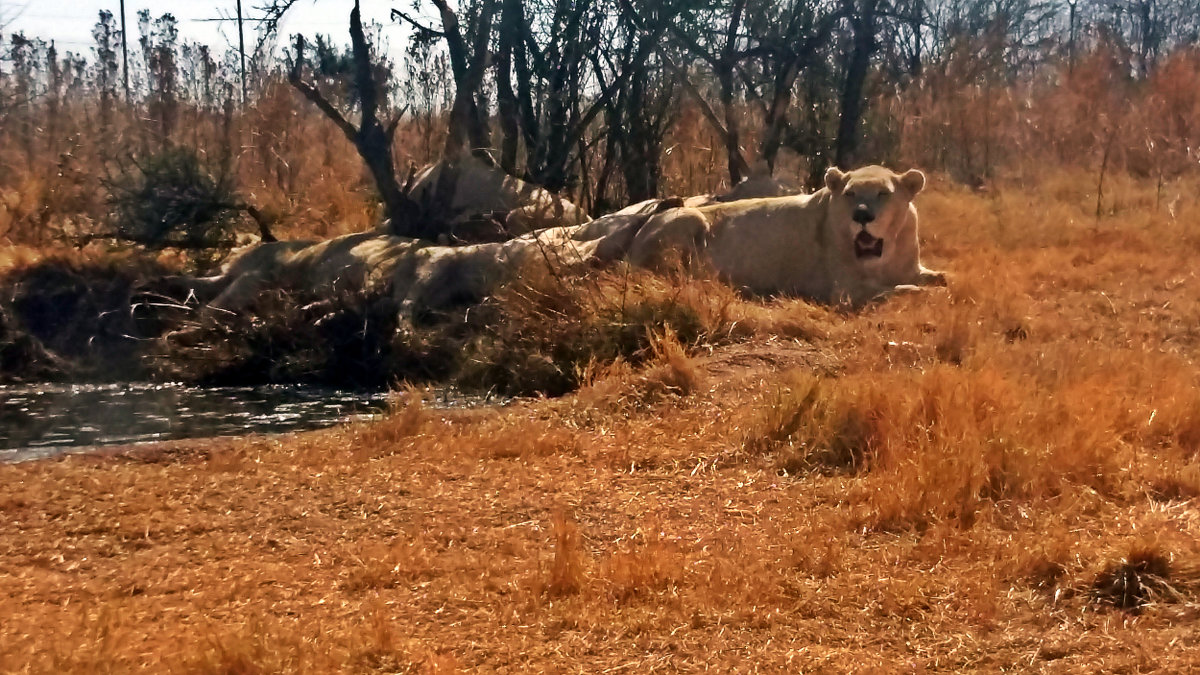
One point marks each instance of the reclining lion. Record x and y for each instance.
(850, 242)
(760, 183)
(417, 274)
(481, 190)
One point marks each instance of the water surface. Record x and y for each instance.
(44, 420)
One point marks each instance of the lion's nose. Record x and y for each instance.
(863, 215)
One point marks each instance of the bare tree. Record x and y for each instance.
(792, 40)
(371, 137)
(637, 118)
(864, 19)
(718, 48)
(470, 56)
(554, 86)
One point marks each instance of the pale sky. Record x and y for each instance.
(69, 22)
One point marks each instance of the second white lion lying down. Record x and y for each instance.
(850, 242)
(418, 275)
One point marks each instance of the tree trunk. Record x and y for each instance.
(776, 117)
(371, 138)
(562, 115)
(738, 169)
(511, 33)
(468, 124)
(373, 141)
(643, 140)
(856, 75)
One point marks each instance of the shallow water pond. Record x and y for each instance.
(44, 420)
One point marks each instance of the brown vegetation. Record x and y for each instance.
(999, 475)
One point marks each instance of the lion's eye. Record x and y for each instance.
(850, 194)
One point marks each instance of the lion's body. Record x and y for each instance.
(802, 245)
(419, 275)
(478, 189)
(758, 184)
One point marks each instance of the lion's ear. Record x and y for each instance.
(913, 181)
(835, 180)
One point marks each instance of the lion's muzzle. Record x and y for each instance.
(867, 246)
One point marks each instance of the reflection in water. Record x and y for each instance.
(44, 420)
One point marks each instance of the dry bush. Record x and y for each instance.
(618, 389)
(74, 316)
(948, 443)
(348, 340)
(979, 125)
(940, 444)
(674, 371)
(1148, 572)
(542, 333)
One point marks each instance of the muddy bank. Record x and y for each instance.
(65, 321)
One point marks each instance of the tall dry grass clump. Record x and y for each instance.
(972, 119)
(943, 444)
(567, 574)
(809, 424)
(547, 331)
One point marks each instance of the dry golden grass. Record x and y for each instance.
(998, 475)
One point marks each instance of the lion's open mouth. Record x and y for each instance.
(867, 246)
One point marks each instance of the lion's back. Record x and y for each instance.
(772, 245)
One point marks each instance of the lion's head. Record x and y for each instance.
(872, 203)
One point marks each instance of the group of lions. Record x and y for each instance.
(851, 242)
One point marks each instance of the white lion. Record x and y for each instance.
(479, 189)
(850, 242)
(760, 183)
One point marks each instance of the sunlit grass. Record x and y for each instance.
(996, 474)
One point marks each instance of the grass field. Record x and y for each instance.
(1001, 475)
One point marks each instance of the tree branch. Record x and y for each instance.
(705, 108)
(311, 93)
(263, 222)
(421, 28)
(364, 76)
(395, 122)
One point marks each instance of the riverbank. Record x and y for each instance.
(998, 475)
